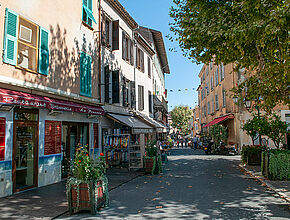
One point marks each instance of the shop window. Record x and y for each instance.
(25, 44)
(116, 87)
(88, 17)
(52, 141)
(85, 74)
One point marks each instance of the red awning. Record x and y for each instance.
(218, 120)
(25, 99)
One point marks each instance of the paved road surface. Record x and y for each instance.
(193, 186)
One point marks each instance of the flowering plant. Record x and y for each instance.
(85, 168)
(151, 149)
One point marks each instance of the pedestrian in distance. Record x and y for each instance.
(195, 142)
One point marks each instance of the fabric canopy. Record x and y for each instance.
(157, 125)
(131, 121)
(25, 99)
(218, 120)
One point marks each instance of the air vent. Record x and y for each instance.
(25, 34)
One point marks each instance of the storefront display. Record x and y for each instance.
(116, 149)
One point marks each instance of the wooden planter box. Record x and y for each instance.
(86, 196)
(148, 164)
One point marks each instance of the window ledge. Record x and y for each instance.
(88, 26)
(87, 95)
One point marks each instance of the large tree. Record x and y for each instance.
(253, 34)
(181, 117)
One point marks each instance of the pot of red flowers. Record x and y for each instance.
(87, 186)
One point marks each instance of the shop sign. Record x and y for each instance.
(24, 99)
(142, 131)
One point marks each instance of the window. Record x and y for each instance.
(149, 67)
(216, 102)
(88, 17)
(125, 92)
(205, 110)
(116, 35)
(140, 60)
(224, 98)
(140, 97)
(207, 89)
(127, 50)
(25, 44)
(216, 76)
(107, 84)
(206, 70)
(211, 65)
(211, 82)
(107, 33)
(150, 101)
(212, 105)
(133, 95)
(85, 74)
(222, 71)
(115, 87)
(208, 108)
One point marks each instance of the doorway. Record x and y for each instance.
(25, 149)
(73, 135)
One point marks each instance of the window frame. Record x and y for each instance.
(26, 44)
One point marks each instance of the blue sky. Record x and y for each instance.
(184, 73)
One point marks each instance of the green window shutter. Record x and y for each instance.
(82, 72)
(89, 75)
(90, 5)
(10, 37)
(43, 52)
(85, 3)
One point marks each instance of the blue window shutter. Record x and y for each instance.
(43, 52)
(89, 75)
(10, 37)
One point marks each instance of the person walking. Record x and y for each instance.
(195, 142)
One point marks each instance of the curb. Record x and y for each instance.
(262, 180)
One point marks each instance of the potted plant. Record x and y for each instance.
(87, 186)
(151, 159)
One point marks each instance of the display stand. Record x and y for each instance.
(116, 149)
(135, 153)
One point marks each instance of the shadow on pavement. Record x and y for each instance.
(194, 187)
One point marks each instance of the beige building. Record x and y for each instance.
(216, 105)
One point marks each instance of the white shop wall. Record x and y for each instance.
(50, 165)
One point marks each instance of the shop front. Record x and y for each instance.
(124, 143)
(39, 136)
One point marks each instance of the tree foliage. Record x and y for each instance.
(218, 133)
(276, 130)
(253, 34)
(181, 117)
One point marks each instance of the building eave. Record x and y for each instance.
(116, 5)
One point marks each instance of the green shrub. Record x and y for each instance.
(251, 155)
(279, 165)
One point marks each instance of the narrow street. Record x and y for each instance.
(193, 186)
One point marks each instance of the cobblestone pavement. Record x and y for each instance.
(193, 186)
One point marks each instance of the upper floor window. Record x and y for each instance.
(150, 101)
(85, 74)
(212, 108)
(216, 76)
(88, 17)
(149, 67)
(208, 108)
(211, 82)
(140, 60)
(217, 102)
(206, 70)
(127, 50)
(25, 44)
(140, 97)
(224, 98)
(222, 71)
(115, 86)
